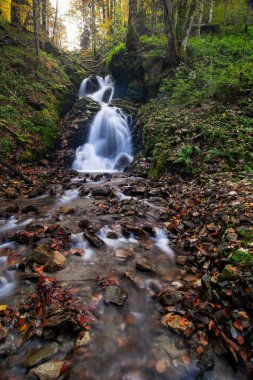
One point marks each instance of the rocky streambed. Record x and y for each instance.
(112, 276)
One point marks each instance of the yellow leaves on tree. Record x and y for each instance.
(5, 9)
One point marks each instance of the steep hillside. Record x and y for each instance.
(202, 118)
(34, 93)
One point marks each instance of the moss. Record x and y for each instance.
(32, 90)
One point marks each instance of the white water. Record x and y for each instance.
(7, 283)
(109, 146)
(162, 242)
(78, 241)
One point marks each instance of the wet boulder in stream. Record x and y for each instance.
(115, 295)
(93, 239)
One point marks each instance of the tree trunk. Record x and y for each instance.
(200, 19)
(211, 11)
(93, 26)
(132, 40)
(249, 13)
(188, 27)
(172, 43)
(44, 16)
(55, 19)
(36, 22)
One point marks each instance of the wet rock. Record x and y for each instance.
(112, 235)
(123, 253)
(171, 297)
(107, 95)
(48, 371)
(56, 262)
(176, 323)
(115, 295)
(36, 356)
(230, 273)
(94, 240)
(23, 237)
(122, 162)
(67, 210)
(29, 208)
(144, 265)
(84, 339)
(128, 228)
(101, 191)
(40, 255)
(12, 209)
(206, 287)
(206, 362)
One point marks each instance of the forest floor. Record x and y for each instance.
(205, 296)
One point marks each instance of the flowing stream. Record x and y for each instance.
(129, 342)
(109, 146)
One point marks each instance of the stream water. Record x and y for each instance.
(109, 146)
(129, 343)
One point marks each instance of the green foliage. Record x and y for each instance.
(219, 67)
(28, 84)
(242, 257)
(184, 156)
(5, 145)
(115, 50)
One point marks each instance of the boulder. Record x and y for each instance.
(56, 262)
(83, 339)
(48, 371)
(123, 253)
(176, 323)
(36, 356)
(93, 239)
(115, 295)
(144, 265)
(40, 255)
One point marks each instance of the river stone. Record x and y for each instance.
(101, 191)
(93, 239)
(123, 253)
(115, 295)
(176, 323)
(169, 298)
(48, 371)
(29, 208)
(56, 262)
(40, 255)
(83, 340)
(36, 356)
(144, 265)
(112, 235)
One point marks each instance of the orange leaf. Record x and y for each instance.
(238, 325)
(200, 350)
(240, 339)
(211, 325)
(21, 321)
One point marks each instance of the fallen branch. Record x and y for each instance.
(15, 171)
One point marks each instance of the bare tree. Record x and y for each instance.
(200, 19)
(211, 11)
(44, 16)
(55, 18)
(179, 17)
(36, 22)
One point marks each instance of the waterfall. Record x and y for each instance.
(109, 146)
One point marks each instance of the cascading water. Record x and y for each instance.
(109, 146)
